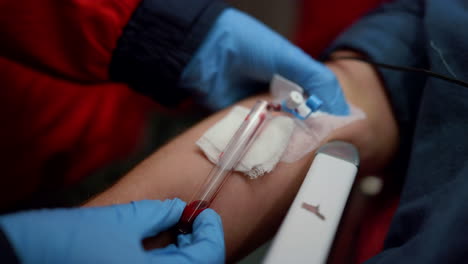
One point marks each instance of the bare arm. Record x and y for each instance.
(252, 209)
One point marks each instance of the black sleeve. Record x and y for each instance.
(158, 42)
(7, 254)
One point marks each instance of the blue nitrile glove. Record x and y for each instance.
(112, 234)
(239, 51)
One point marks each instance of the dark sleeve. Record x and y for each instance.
(7, 254)
(158, 42)
(393, 34)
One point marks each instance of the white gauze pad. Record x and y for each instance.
(265, 152)
(282, 138)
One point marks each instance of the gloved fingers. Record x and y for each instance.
(277, 55)
(261, 58)
(207, 225)
(207, 236)
(314, 77)
(204, 245)
(240, 49)
(150, 217)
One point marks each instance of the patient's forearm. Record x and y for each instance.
(252, 209)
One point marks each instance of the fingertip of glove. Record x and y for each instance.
(207, 238)
(209, 215)
(176, 201)
(210, 221)
(176, 204)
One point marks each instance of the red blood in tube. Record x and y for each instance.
(191, 211)
(274, 107)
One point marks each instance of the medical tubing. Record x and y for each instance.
(228, 160)
(403, 69)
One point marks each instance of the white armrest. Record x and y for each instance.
(309, 227)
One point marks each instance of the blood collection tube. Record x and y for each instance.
(228, 160)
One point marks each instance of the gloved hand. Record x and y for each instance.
(112, 234)
(239, 51)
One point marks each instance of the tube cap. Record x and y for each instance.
(314, 103)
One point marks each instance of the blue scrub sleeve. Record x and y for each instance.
(158, 42)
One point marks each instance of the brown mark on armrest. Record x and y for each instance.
(314, 209)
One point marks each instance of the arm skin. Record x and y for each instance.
(252, 210)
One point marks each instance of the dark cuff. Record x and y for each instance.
(7, 254)
(158, 42)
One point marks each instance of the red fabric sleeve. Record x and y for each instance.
(61, 119)
(72, 39)
(320, 22)
(55, 132)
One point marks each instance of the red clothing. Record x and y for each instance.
(320, 22)
(61, 117)
(72, 39)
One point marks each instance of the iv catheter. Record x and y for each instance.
(228, 160)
